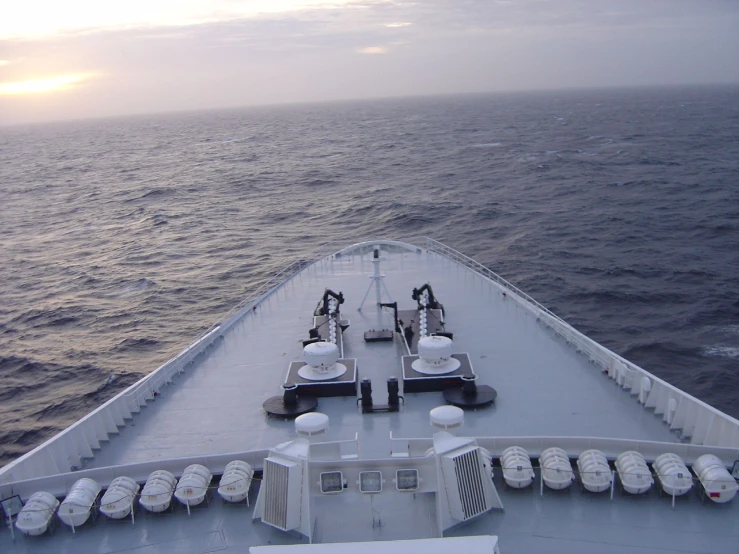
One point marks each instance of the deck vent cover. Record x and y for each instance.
(282, 483)
(446, 417)
(470, 490)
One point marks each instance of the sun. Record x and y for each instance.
(49, 84)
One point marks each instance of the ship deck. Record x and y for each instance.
(545, 386)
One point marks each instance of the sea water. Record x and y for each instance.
(123, 239)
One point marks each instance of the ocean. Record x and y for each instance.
(123, 239)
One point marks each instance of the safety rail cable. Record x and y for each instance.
(697, 428)
(451, 253)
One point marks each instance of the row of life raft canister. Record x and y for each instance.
(117, 502)
(636, 478)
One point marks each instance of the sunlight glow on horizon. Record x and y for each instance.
(50, 84)
(79, 59)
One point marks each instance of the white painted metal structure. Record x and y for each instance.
(193, 485)
(76, 507)
(517, 469)
(556, 388)
(36, 515)
(321, 360)
(236, 481)
(435, 354)
(595, 474)
(556, 468)
(117, 502)
(633, 472)
(718, 483)
(156, 495)
(468, 545)
(673, 474)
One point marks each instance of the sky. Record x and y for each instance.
(77, 59)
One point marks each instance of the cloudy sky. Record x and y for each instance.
(90, 58)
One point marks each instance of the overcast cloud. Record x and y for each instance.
(222, 54)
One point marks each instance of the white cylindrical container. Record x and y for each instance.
(556, 468)
(117, 502)
(156, 495)
(193, 485)
(164, 475)
(76, 507)
(673, 474)
(595, 473)
(235, 482)
(435, 350)
(191, 489)
(516, 466)
(199, 469)
(487, 458)
(435, 355)
(633, 472)
(321, 355)
(35, 516)
(718, 483)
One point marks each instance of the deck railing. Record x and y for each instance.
(701, 423)
(573, 446)
(440, 248)
(60, 484)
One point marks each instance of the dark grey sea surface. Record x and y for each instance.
(122, 239)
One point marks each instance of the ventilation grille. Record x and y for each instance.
(276, 476)
(468, 470)
(469, 488)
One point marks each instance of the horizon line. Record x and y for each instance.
(298, 103)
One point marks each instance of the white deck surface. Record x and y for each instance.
(545, 388)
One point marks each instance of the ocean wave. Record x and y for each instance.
(152, 194)
(660, 348)
(118, 261)
(135, 288)
(729, 329)
(47, 317)
(723, 351)
(141, 343)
